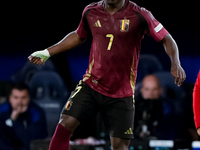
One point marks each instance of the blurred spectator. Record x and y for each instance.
(151, 88)
(154, 114)
(20, 120)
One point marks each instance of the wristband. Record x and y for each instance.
(42, 54)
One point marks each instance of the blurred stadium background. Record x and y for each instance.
(29, 26)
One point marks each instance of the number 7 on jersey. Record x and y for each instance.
(111, 40)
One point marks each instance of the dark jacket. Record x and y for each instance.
(158, 115)
(17, 135)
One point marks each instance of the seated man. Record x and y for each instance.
(154, 114)
(20, 120)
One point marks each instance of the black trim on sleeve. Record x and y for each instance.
(143, 26)
(85, 21)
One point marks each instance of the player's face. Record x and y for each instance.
(19, 98)
(113, 2)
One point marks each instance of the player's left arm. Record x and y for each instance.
(159, 33)
(172, 51)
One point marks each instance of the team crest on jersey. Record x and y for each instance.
(124, 25)
(68, 105)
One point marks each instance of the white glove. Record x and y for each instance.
(44, 54)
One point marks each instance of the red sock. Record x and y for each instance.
(60, 139)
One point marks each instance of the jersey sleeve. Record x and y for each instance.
(196, 102)
(83, 28)
(155, 28)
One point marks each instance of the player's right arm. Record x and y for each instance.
(196, 103)
(68, 42)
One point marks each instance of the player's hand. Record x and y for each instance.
(178, 73)
(39, 57)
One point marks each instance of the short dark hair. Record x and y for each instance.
(20, 86)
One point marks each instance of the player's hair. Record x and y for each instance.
(20, 86)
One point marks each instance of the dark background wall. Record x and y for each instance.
(30, 26)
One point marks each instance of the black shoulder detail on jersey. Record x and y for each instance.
(134, 5)
(87, 9)
(143, 23)
(94, 4)
(85, 20)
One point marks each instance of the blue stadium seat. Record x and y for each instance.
(171, 90)
(167, 82)
(25, 74)
(49, 91)
(148, 64)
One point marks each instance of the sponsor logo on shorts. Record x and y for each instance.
(129, 131)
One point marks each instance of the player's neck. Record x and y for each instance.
(113, 8)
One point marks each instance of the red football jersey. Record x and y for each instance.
(196, 102)
(115, 46)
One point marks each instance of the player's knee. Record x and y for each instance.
(69, 122)
(116, 146)
(120, 144)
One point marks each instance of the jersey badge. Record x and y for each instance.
(68, 105)
(124, 25)
(97, 24)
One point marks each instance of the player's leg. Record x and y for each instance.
(69, 122)
(118, 118)
(119, 143)
(80, 106)
(63, 132)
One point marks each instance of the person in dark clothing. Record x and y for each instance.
(154, 114)
(21, 120)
